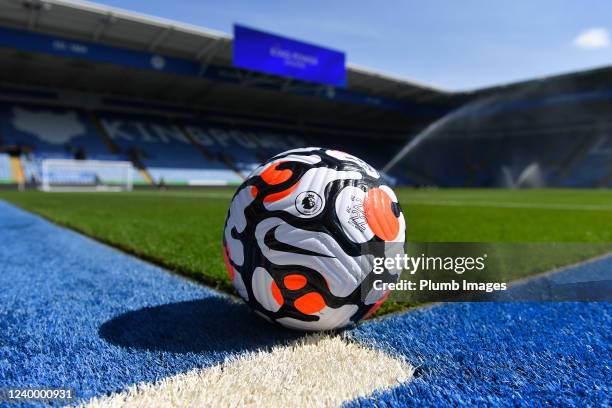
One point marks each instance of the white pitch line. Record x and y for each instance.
(199, 194)
(497, 204)
(318, 371)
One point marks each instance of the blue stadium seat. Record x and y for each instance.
(167, 153)
(591, 170)
(245, 149)
(51, 133)
(6, 174)
(54, 131)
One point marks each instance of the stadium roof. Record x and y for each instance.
(371, 100)
(589, 79)
(116, 27)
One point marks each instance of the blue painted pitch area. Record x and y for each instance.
(508, 354)
(78, 314)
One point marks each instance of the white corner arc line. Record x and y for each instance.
(317, 371)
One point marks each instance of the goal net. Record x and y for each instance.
(86, 175)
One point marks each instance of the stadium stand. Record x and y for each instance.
(175, 150)
(536, 140)
(180, 110)
(507, 161)
(165, 150)
(39, 132)
(203, 120)
(595, 167)
(51, 132)
(172, 151)
(242, 149)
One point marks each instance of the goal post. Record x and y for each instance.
(86, 175)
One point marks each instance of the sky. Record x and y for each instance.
(454, 45)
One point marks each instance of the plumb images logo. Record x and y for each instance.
(439, 271)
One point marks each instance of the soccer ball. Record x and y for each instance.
(301, 236)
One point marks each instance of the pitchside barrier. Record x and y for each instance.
(86, 175)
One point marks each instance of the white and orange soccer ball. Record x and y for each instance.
(301, 236)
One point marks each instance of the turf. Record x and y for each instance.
(181, 230)
(78, 314)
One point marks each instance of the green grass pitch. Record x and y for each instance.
(182, 230)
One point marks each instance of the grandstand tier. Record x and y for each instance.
(165, 150)
(183, 114)
(179, 150)
(56, 132)
(169, 150)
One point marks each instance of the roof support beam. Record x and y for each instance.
(160, 37)
(211, 50)
(32, 18)
(34, 6)
(104, 23)
(207, 48)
